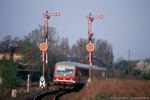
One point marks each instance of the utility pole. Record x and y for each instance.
(83, 53)
(128, 60)
(90, 46)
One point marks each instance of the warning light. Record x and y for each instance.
(45, 19)
(89, 21)
(101, 16)
(57, 14)
(43, 47)
(90, 47)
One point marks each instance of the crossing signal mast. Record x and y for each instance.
(46, 18)
(44, 46)
(90, 46)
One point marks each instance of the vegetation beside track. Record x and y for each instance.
(106, 89)
(22, 93)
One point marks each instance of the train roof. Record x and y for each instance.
(80, 65)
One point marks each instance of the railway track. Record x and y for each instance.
(57, 97)
(52, 95)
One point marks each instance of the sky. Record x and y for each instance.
(126, 23)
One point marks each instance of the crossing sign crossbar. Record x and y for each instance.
(42, 82)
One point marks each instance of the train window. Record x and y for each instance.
(69, 71)
(84, 72)
(64, 71)
(60, 70)
(79, 73)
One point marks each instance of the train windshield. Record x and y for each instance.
(65, 71)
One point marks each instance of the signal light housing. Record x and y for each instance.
(101, 16)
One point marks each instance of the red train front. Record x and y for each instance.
(73, 74)
(64, 73)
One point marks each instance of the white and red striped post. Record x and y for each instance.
(43, 48)
(47, 16)
(90, 19)
(46, 31)
(43, 60)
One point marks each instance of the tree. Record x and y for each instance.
(9, 72)
(102, 55)
(104, 52)
(37, 36)
(5, 44)
(125, 69)
(9, 45)
(31, 43)
(63, 49)
(31, 53)
(143, 66)
(79, 50)
(57, 48)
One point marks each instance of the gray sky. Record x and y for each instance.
(126, 23)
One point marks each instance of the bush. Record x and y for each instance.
(9, 72)
(145, 76)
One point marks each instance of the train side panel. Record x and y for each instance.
(82, 75)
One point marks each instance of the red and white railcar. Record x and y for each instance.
(72, 73)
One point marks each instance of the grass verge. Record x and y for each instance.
(106, 89)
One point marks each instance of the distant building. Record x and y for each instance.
(15, 54)
(17, 57)
(7, 56)
(4, 55)
(143, 66)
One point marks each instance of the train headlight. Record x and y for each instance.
(70, 79)
(56, 78)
